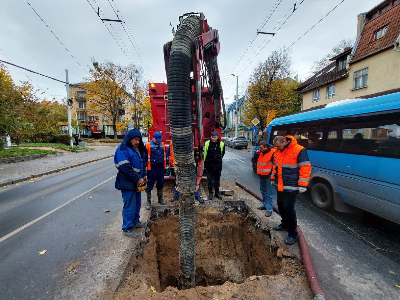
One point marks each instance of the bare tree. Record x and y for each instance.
(337, 49)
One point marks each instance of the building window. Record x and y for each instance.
(316, 96)
(330, 92)
(380, 33)
(81, 94)
(82, 116)
(342, 62)
(82, 105)
(360, 79)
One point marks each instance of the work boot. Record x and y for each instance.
(210, 194)
(148, 206)
(160, 197)
(217, 194)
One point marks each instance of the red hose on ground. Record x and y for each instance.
(305, 253)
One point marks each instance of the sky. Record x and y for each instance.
(50, 36)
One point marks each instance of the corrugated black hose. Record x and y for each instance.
(180, 116)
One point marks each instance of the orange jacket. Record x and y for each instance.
(148, 147)
(292, 168)
(264, 162)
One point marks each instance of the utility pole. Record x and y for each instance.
(77, 124)
(69, 103)
(237, 108)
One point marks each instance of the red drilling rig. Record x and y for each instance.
(186, 111)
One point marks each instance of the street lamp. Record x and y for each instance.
(237, 99)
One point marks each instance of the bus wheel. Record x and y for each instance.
(321, 195)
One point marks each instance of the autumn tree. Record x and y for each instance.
(11, 104)
(108, 89)
(271, 89)
(319, 64)
(145, 108)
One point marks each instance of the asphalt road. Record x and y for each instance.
(356, 256)
(55, 214)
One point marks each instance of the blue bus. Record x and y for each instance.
(354, 149)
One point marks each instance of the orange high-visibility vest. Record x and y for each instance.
(264, 163)
(148, 147)
(294, 161)
(171, 156)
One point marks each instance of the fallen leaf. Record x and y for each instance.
(107, 210)
(398, 286)
(42, 252)
(90, 197)
(153, 289)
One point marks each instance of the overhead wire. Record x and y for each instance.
(131, 38)
(122, 49)
(276, 5)
(69, 52)
(30, 79)
(262, 46)
(326, 15)
(29, 70)
(316, 23)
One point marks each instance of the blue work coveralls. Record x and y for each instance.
(156, 174)
(131, 165)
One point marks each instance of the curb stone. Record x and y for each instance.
(14, 181)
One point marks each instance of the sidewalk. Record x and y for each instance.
(17, 172)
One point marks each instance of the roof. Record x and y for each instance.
(326, 75)
(367, 46)
(344, 108)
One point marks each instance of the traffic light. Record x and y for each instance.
(69, 102)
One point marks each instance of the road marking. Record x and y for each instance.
(50, 212)
(240, 160)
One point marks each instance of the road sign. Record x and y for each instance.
(255, 121)
(105, 128)
(254, 129)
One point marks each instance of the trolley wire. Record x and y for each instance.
(130, 37)
(276, 5)
(115, 39)
(316, 23)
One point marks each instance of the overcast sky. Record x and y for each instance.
(26, 41)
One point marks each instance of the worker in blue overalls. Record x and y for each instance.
(130, 161)
(156, 164)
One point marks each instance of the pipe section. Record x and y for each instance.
(180, 116)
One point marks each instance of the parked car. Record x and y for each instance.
(228, 141)
(239, 142)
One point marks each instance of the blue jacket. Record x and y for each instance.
(130, 162)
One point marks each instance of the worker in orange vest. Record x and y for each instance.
(263, 157)
(291, 173)
(156, 164)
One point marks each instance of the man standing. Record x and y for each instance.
(129, 159)
(156, 164)
(214, 151)
(263, 157)
(291, 174)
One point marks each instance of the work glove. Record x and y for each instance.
(302, 189)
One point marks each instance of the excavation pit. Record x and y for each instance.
(231, 248)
